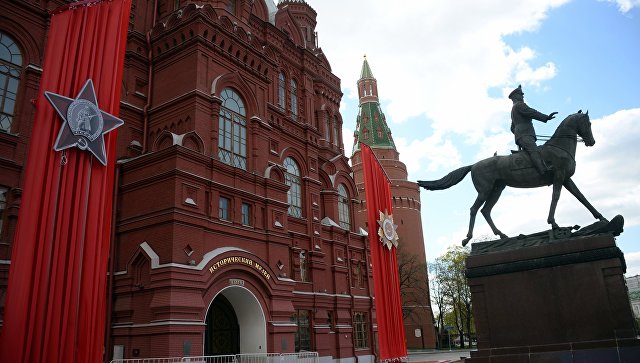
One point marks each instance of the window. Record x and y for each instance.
(365, 134)
(231, 7)
(336, 133)
(246, 214)
(303, 332)
(294, 99)
(327, 127)
(3, 205)
(304, 273)
(355, 273)
(281, 92)
(10, 65)
(379, 133)
(294, 195)
(232, 131)
(330, 320)
(343, 208)
(223, 208)
(360, 340)
(358, 274)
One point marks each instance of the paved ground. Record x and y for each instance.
(437, 356)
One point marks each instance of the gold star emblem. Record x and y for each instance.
(387, 230)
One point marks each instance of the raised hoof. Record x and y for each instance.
(465, 241)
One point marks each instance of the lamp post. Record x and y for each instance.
(448, 329)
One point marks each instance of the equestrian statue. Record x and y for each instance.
(550, 164)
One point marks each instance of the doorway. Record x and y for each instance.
(235, 324)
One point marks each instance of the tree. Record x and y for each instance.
(438, 298)
(413, 283)
(454, 293)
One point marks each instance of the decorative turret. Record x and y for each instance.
(305, 18)
(371, 124)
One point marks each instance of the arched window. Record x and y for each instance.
(232, 131)
(281, 91)
(294, 99)
(365, 134)
(294, 195)
(343, 208)
(10, 66)
(327, 127)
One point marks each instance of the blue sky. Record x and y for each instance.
(444, 69)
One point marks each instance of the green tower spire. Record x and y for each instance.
(366, 70)
(371, 124)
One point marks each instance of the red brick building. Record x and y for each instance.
(372, 129)
(235, 224)
(235, 228)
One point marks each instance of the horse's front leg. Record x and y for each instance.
(558, 179)
(573, 189)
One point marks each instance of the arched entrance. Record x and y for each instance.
(235, 323)
(223, 332)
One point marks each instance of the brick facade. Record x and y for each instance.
(173, 254)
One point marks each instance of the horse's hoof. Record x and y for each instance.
(465, 241)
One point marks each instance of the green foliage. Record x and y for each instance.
(450, 293)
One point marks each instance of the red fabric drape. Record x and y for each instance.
(386, 281)
(56, 298)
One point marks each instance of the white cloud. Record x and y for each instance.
(633, 263)
(429, 154)
(625, 5)
(421, 59)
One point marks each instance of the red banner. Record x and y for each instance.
(386, 280)
(56, 298)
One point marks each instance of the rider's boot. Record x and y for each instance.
(540, 165)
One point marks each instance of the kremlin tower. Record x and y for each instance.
(372, 129)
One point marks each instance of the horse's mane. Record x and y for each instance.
(570, 121)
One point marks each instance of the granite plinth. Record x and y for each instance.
(551, 301)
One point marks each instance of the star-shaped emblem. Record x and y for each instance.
(84, 123)
(387, 230)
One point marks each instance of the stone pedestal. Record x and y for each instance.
(536, 300)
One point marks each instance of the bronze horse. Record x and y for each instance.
(490, 176)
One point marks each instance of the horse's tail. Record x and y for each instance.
(447, 181)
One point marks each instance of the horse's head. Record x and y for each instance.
(583, 127)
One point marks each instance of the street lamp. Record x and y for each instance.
(448, 329)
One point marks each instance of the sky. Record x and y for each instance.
(444, 70)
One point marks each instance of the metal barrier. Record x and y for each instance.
(303, 357)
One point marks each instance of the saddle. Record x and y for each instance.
(519, 160)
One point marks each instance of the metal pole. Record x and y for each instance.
(449, 334)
